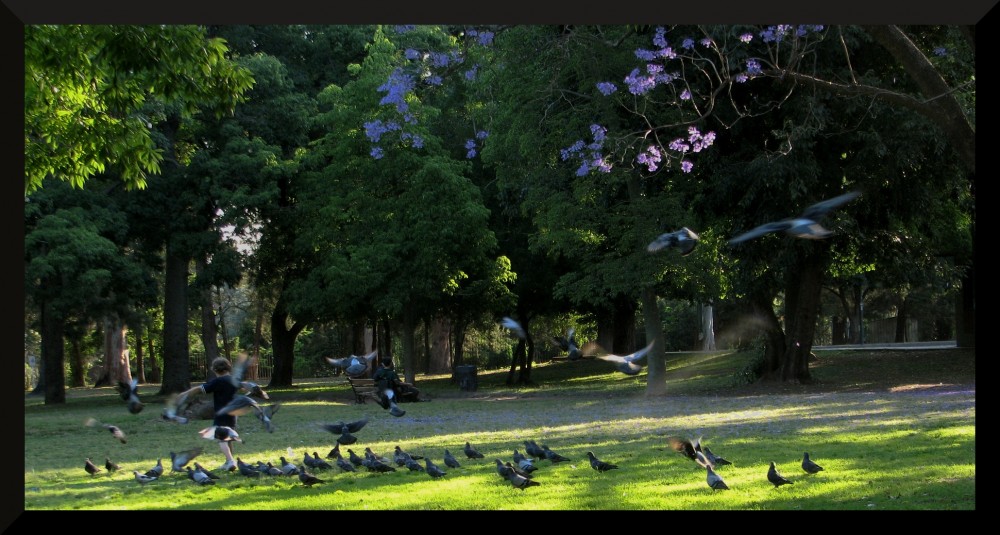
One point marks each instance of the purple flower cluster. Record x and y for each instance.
(403, 28)
(375, 129)
(589, 160)
(775, 34)
(606, 88)
(396, 88)
(650, 157)
(471, 73)
(484, 38)
(940, 51)
(472, 147)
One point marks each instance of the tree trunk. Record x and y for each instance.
(154, 368)
(965, 313)
(52, 356)
(623, 342)
(458, 335)
(176, 364)
(209, 330)
(358, 337)
(227, 343)
(116, 366)
(802, 300)
(707, 327)
(656, 367)
(762, 308)
(140, 366)
(283, 344)
(605, 327)
(440, 334)
(409, 327)
(76, 363)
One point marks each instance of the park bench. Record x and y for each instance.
(363, 388)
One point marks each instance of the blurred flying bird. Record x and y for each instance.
(713, 458)
(515, 327)
(341, 427)
(688, 448)
(625, 363)
(805, 225)
(174, 408)
(569, 345)
(598, 464)
(115, 431)
(130, 393)
(775, 477)
(684, 239)
(178, 460)
(222, 433)
(809, 466)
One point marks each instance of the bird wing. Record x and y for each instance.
(510, 323)
(356, 426)
(597, 351)
(820, 209)
(766, 228)
(239, 369)
(239, 406)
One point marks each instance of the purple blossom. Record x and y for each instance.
(572, 150)
(753, 67)
(639, 84)
(667, 52)
(606, 88)
(741, 78)
(440, 59)
(659, 39)
(679, 145)
(396, 88)
(482, 134)
(645, 55)
(377, 153)
(654, 68)
(940, 51)
(687, 43)
(686, 166)
(685, 95)
(599, 132)
(471, 73)
(485, 38)
(601, 164)
(650, 157)
(434, 80)
(746, 38)
(583, 169)
(403, 28)
(471, 145)
(412, 54)
(706, 42)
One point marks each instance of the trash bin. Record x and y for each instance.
(466, 376)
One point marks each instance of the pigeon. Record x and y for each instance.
(359, 365)
(805, 225)
(688, 448)
(346, 438)
(775, 477)
(308, 460)
(308, 479)
(340, 427)
(433, 470)
(517, 470)
(178, 460)
(320, 463)
(115, 431)
(471, 452)
(175, 406)
(414, 466)
(809, 466)
(401, 456)
(521, 482)
(240, 367)
(713, 479)
(157, 470)
(396, 411)
(625, 363)
(246, 469)
(569, 345)
(450, 461)
(503, 469)
(344, 464)
(90, 467)
(255, 391)
(515, 327)
(354, 458)
(143, 478)
(265, 415)
(527, 465)
(288, 468)
(273, 470)
(130, 393)
(598, 464)
(532, 448)
(518, 456)
(341, 363)
(222, 433)
(241, 405)
(110, 466)
(205, 471)
(199, 477)
(376, 457)
(335, 452)
(374, 464)
(553, 456)
(684, 239)
(713, 458)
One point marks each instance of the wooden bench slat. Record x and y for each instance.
(363, 388)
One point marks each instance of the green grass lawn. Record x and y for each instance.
(894, 430)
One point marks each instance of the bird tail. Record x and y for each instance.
(91, 422)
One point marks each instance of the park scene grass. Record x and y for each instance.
(894, 430)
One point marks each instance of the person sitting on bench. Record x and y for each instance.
(386, 378)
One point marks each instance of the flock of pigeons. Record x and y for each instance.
(703, 456)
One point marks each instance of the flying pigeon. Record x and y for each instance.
(143, 478)
(471, 452)
(688, 448)
(222, 433)
(341, 427)
(308, 479)
(130, 393)
(553, 456)
(433, 470)
(360, 364)
(240, 367)
(684, 239)
(199, 477)
(342, 362)
(515, 327)
(450, 461)
(809, 466)
(174, 407)
(805, 225)
(346, 438)
(157, 470)
(598, 464)
(110, 466)
(90, 467)
(775, 477)
(241, 405)
(569, 345)
(714, 480)
(178, 460)
(115, 431)
(625, 363)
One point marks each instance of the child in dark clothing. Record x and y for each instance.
(223, 389)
